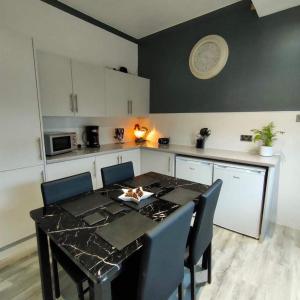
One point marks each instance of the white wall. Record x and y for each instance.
(58, 32)
(226, 130)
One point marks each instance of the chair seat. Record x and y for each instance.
(68, 265)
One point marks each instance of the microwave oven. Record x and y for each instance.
(59, 142)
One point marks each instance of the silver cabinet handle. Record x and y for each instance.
(169, 164)
(118, 159)
(121, 158)
(42, 176)
(76, 102)
(72, 102)
(95, 169)
(129, 107)
(40, 148)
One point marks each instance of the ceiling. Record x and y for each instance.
(267, 7)
(139, 18)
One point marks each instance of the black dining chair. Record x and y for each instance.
(160, 267)
(117, 173)
(201, 233)
(56, 191)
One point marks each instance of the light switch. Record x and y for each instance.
(298, 118)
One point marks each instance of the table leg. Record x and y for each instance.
(100, 291)
(45, 270)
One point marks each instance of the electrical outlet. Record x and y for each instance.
(246, 138)
(297, 118)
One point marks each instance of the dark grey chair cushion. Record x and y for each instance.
(202, 231)
(117, 173)
(65, 188)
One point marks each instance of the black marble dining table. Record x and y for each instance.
(99, 260)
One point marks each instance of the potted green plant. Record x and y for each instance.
(267, 135)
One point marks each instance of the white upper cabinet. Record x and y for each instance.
(139, 95)
(55, 82)
(88, 89)
(116, 93)
(19, 112)
(126, 94)
(69, 87)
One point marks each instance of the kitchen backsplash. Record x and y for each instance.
(106, 126)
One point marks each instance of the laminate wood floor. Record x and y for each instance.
(243, 269)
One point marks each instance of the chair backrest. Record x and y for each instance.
(65, 188)
(202, 230)
(117, 173)
(162, 261)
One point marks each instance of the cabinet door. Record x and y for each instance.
(156, 161)
(116, 93)
(72, 167)
(20, 192)
(19, 112)
(196, 170)
(55, 82)
(240, 202)
(88, 87)
(103, 161)
(135, 157)
(139, 94)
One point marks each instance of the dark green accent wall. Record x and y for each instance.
(262, 72)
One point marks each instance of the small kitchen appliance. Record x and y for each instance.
(201, 137)
(92, 136)
(59, 142)
(164, 141)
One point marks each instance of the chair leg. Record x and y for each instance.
(180, 292)
(192, 270)
(205, 259)
(209, 264)
(56, 278)
(80, 292)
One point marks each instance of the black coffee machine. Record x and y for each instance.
(92, 136)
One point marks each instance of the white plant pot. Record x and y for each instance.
(266, 151)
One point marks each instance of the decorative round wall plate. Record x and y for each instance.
(208, 57)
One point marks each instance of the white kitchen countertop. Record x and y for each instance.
(214, 154)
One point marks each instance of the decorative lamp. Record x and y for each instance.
(140, 133)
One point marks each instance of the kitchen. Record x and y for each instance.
(69, 79)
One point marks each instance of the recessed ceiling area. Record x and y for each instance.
(140, 18)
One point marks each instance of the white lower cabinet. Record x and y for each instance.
(107, 160)
(156, 161)
(72, 167)
(20, 192)
(135, 157)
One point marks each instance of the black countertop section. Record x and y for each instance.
(97, 258)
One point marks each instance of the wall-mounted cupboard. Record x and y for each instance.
(72, 88)
(126, 94)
